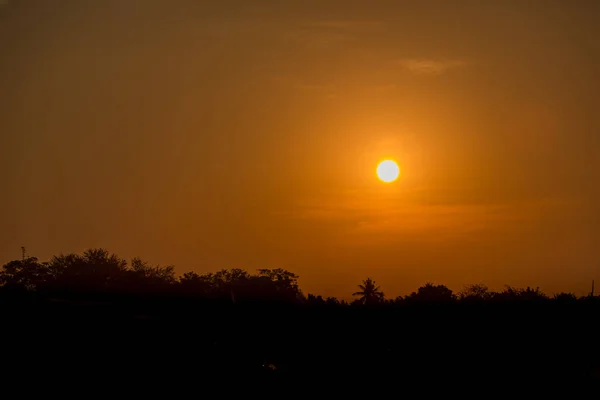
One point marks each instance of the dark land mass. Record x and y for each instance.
(72, 338)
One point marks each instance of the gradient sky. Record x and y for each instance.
(237, 133)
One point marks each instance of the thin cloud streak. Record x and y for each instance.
(388, 219)
(344, 24)
(430, 66)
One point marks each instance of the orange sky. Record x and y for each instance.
(221, 134)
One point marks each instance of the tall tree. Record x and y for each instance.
(369, 293)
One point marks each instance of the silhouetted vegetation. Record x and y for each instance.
(77, 309)
(369, 293)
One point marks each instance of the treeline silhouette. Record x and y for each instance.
(97, 272)
(79, 312)
(100, 274)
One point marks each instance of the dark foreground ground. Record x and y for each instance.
(476, 350)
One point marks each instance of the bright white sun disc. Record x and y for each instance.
(388, 171)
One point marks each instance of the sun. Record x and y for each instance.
(388, 171)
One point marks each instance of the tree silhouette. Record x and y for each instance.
(519, 294)
(432, 293)
(192, 283)
(315, 300)
(151, 275)
(565, 297)
(332, 301)
(97, 270)
(369, 293)
(25, 274)
(237, 285)
(476, 292)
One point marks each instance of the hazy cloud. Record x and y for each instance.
(343, 24)
(317, 39)
(325, 34)
(430, 67)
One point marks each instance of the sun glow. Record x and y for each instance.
(388, 171)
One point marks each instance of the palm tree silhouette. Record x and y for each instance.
(370, 293)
